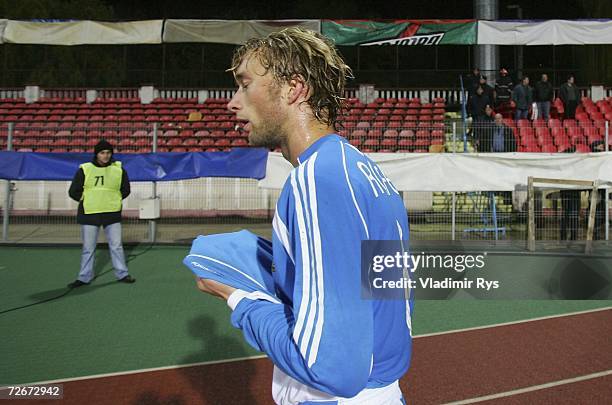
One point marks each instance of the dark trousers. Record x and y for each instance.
(570, 109)
(570, 204)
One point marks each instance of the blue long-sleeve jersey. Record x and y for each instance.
(324, 334)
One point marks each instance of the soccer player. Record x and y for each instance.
(327, 342)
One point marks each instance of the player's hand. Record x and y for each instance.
(214, 288)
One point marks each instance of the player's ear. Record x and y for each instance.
(297, 90)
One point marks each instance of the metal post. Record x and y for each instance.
(494, 213)
(7, 190)
(152, 222)
(607, 191)
(454, 194)
(607, 213)
(607, 137)
(453, 215)
(591, 220)
(531, 216)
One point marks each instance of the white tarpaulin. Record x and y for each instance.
(551, 32)
(228, 31)
(83, 32)
(469, 172)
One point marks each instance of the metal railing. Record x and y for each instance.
(41, 211)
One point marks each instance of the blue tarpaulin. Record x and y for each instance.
(240, 162)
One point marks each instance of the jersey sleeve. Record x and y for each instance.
(325, 339)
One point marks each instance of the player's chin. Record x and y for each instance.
(262, 141)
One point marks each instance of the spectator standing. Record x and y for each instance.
(543, 96)
(522, 95)
(488, 90)
(503, 88)
(570, 96)
(478, 104)
(472, 81)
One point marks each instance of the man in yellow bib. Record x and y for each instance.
(100, 186)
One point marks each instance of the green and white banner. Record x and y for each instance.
(401, 32)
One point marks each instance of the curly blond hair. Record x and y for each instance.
(303, 53)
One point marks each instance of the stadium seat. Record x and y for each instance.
(568, 123)
(557, 131)
(595, 137)
(358, 134)
(422, 134)
(406, 133)
(222, 142)
(388, 143)
(532, 148)
(528, 141)
(390, 133)
(574, 131)
(239, 142)
(577, 139)
(544, 139)
(206, 142)
(581, 148)
(355, 142)
(375, 133)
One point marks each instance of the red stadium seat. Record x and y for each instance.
(557, 132)
(205, 142)
(355, 142)
(239, 142)
(532, 148)
(574, 131)
(569, 123)
(523, 123)
(388, 143)
(374, 133)
(406, 133)
(222, 142)
(581, 148)
(405, 143)
(358, 134)
(390, 133)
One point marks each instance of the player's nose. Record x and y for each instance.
(234, 104)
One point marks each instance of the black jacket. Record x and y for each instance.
(503, 88)
(543, 91)
(478, 104)
(105, 218)
(522, 96)
(569, 93)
